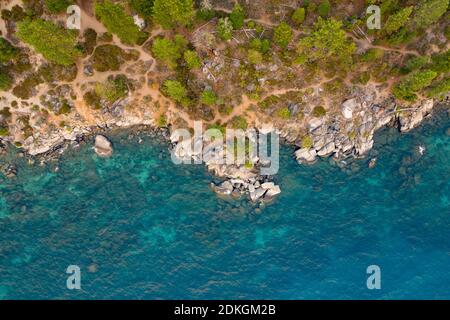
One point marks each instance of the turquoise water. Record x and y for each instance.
(140, 227)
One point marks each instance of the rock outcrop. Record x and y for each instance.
(102, 146)
(352, 133)
(413, 116)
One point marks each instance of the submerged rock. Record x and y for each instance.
(221, 189)
(103, 146)
(9, 170)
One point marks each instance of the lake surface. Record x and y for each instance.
(139, 226)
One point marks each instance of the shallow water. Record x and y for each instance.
(140, 227)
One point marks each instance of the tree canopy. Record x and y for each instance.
(192, 59)
(7, 51)
(166, 51)
(327, 43)
(237, 16)
(55, 43)
(299, 15)
(169, 13)
(407, 88)
(57, 6)
(143, 7)
(283, 34)
(115, 19)
(429, 12)
(176, 91)
(397, 20)
(225, 28)
(5, 81)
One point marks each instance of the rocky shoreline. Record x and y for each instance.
(327, 140)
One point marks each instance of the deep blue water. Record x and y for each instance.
(141, 227)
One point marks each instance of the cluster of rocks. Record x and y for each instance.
(257, 188)
(352, 134)
(239, 178)
(414, 115)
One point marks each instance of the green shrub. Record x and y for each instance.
(57, 6)
(65, 108)
(105, 37)
(398, 20)
(208, 97)
(362, 78)
(298, 17)
(307, 142)
(225, 29)
(107, 57)
(177, 91)
(328, 44)
(55, 43)
(261, 45)
(166, 51)
(113, 89)
(205, 14)
(254, 57)
(441, 62)
(319, 112)
(6, 81)
(414, 82)
(372, 54)
(162, 121)
(90, 40)
(192, 59)
(429, 12)
(324, 8)
(26, 88)
(92, 99)
(114, 18)
(7, 51)
(169, 13)
(447, 32)
(237, 16)
(440, 89)
(416, 63)
(143, 7)
(283, 35)
(239, 122)
(283, 113)
(4, 131)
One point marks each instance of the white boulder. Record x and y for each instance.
(103, 146)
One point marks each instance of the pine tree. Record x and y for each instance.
(237, 16)
(328, 43)
(429, 12)
(115, 19)
(224, 29)
(169, 13)
(398, 20)
(283, 35)
(55, 43)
